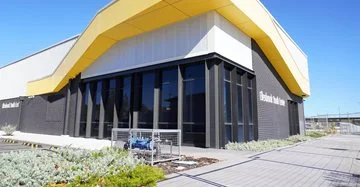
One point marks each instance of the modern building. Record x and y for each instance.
(219, 70)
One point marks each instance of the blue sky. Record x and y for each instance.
(326, 30)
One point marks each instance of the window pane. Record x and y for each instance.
(194, 101)
(251, 132)
(147, 101)
(250, 106)
(226, 74)
(194, 105)
(249, 82)
(84, 107)
(194, 71)
(109, 102)
(239, 78)
(168, 99)
(227, 102)
(228, 135)
(240, 105)
(96, 110)
(240, 137)
(123, 101)
(251, 111)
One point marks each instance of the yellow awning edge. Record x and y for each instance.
(126, 18)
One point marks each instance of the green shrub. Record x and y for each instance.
(8, 129)
(266, 145)
(315, 134)
(299, 138)
(258, 146)
(142, 175)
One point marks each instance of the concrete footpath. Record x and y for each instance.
(59, 141)
(328, 161)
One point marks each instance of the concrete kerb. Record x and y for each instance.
(25, 143)
(8, 140)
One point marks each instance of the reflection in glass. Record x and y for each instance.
(251, 115)
(84, 107)
(96, 110)
(227, 106)
(109, 101)
(123, 102)
(194, 105)
(168, 99)
(240, 116)
(147, 101)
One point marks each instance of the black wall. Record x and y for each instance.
(9, 115)
(273, 120)
(44, 114)
(72, 94)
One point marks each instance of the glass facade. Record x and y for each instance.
(123, 102)
(84, 108)
(250, 109)
(240, 111)
(114, 101)
(109, 101)
(227, 106)
(96, 110)
(194, 105)
(168, 99)
(146, 112)
(243, 96)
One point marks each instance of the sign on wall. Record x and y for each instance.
(269, 98)
(10, 105)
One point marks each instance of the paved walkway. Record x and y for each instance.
(329, 161)
(91, 143)
(60, 141)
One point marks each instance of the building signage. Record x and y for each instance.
(10, 105)
(269, 98)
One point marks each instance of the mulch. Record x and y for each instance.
(171, 167)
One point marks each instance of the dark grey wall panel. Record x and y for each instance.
(273, 119)
(301, 118)
(44, 114)
(74, 86)
(9, 115)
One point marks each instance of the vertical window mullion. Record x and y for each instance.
(234, 101)
(228, 133)
(240, 107)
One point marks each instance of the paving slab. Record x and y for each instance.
(327, 161)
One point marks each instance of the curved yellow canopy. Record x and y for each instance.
(126, 18)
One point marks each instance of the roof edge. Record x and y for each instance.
(42, 50)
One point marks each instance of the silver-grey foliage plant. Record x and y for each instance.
(266, 145)
(41, 167)
(8, 129)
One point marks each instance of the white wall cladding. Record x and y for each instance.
(231, 42)
(14, 77)
(196, 36)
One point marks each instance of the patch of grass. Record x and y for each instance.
(299, 138)
(315, 134)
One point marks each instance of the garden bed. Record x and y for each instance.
(190, 163)
(267, 145)
(70, 167)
